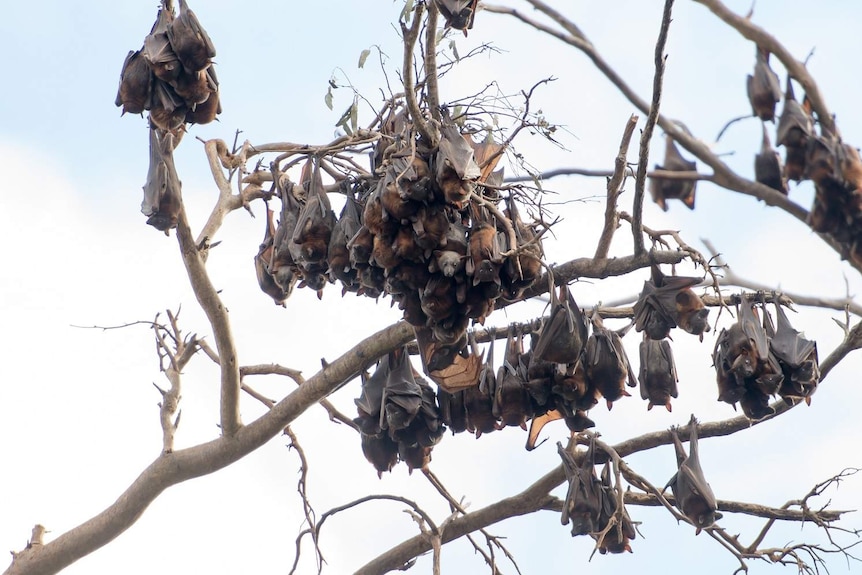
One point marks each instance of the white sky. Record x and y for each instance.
(78, 415)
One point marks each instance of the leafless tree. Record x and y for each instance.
(413, 121)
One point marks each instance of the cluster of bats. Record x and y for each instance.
(430, 229)
(592, 501)
(571, 363)
(834, 166)
(398, 415)
(172, 75)
(755, 359)
(173, 78)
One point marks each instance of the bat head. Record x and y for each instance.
(449, 263)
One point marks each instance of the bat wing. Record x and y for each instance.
(788, 344)
(753, 329)
(536, 425)
(564, 334)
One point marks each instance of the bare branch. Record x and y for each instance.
(216, 313)
(614, 187)
(646, 136)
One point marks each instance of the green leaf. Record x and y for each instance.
(328, 98)
(454, 47)
(408, 9)
(363, 56)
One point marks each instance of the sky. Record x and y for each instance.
(78, 411)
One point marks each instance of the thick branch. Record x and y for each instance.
(185, 464)
(216, 313)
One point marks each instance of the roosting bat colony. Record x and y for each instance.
(433, 226)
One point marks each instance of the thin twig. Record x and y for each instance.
(646, 135)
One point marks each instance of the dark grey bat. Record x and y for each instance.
(564, 334)
(693, 495)
(658, 377)
(162, 191)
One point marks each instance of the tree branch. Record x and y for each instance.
(646, 136)
(185, 464)
(614, 186)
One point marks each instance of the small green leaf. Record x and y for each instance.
(363, 56)
(454, 47)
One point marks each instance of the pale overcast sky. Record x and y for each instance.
(78, 414)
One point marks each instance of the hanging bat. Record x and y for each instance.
(617, 539)
(662, 189)
(136, 84)
(455, 167)
(192, 87)
(380, 451)
(158, 51)
(521, 270)
(511, 399)
(338, 255)
(360, 247)
(316, 220)
(753, 329)
(190, 41)
(283, 265)
(411, 176)
(453, 411)
(431, 226)
(207, 111)
(583, 504)
(606, 366)
(658, 377)
(439, 299)
(565, 333)
(402, 396)
(167, 110)
(261, 265)
(479, 398)
(755, 403)
(693, 495)
(768, 167)
(416, 441)
(668, 301)
(411, 277)
(794, 129)
(764, 88)
(373, 217)
(395, 205)
(730, 387)
(162, 191)
(369, 405)
(446, 262)
(799, 357)
(485, 261)
(459, 14)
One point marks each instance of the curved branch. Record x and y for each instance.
(170, 469)
(765, 40)
(723, 175)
